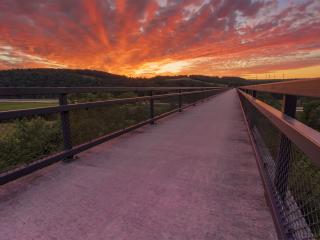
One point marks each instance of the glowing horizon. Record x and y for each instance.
(248, 38)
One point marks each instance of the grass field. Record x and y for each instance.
(7, 106)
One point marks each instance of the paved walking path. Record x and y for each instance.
(192, 176)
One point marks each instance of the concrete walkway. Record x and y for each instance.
(192, 176)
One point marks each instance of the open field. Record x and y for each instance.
(16, 105)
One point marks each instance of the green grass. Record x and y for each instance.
(26, 140)
(6, 129)
(7, 106)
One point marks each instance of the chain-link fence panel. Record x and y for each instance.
(294, 179)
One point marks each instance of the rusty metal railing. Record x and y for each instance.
(34, 138)
(288, 156)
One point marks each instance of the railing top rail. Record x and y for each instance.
(305, 87)
(16, 91)
(306, 138)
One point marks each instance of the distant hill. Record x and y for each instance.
(59, 78)
(230, 81)
(45, 77)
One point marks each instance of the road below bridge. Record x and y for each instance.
(191, 176)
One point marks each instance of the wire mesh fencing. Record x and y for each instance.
(88, 124)
(190, 99)
(54, 133)
(292, 176)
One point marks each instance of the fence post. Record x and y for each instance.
(180, 101)
(254, 93)
(284, 157)
(65, 125)
(151, 108)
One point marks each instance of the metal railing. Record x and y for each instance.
(60, 132)
(288, 156)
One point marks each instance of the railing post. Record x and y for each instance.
(151, 108)
(284, 157)
(254, 93)
(180, 101)
(65, 125)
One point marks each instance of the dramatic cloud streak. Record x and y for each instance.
(147, 37)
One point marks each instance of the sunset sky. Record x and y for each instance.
(248, 38)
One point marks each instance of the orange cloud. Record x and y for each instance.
(150, 37)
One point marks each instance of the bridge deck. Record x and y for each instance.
(191, 176)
